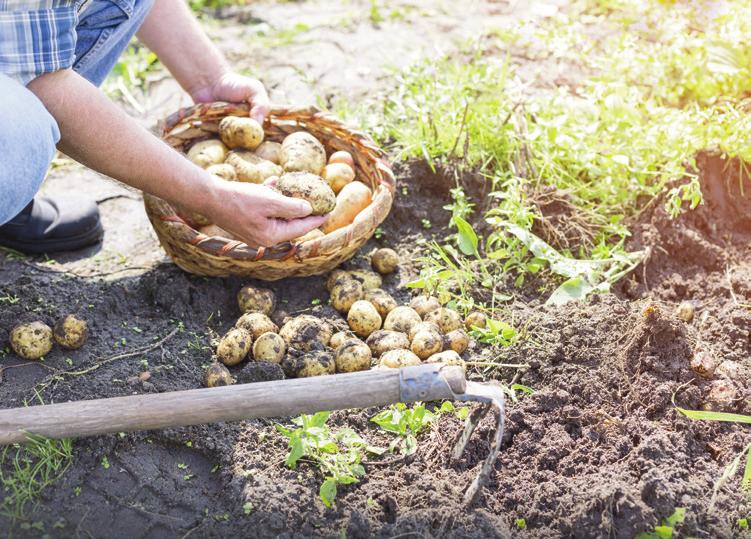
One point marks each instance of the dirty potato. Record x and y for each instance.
(270, 151)
(456, 340)
(342, 157)
(225, 171)
(338, 338)
(31, 340)
(369, 279)
(363, 318)
(447, 357)
(383, 341)
(207, 153)
(256, 300)
(447, 319)
(71, 332)
(217, 375)
(251, 168)
(336, 277)
(257, 324)
(302, 152)
(402, 319)
(476, 319)
(269, 347)
(426, 343)
(423, 326)
(685, 311)
(338, 175)
(424, 304)
(351, 200)
(233, 348)
(396, 359)
(381, 300)
(308, 187)
(353, 355)
(344, 295)
(306, 332)
(240, 132)
(385, 261)
(314, 363)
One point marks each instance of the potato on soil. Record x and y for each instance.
(270, 151)
(423, 326)
(353, 355)
(215, 231)
(396, 359)
(336, 277)
(456, 340)
(424, 304)
(257, 324)
(383, 341)
(217, 375)
(233, 348)
(369, 279)
(381, 300)
(447, 319)
(685, 311)
(250, 168)
(338, 338)
(363, 318)
(225, 171)
(207, 153)
(476, 319)
(342, 157)
(338, 175)
(351, 200)
(448, 357)
(308, 187)
(426, 343)
(306, 332)
(269, 347)
(314, 363)
(402, 319)
(32, 340)
(240, 132)
(256, 300)
(385, 261)
(302, 152)
(71, 332)
(344, 295)
(704, 363)
(721, 397)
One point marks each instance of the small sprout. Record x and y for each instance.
(105, 463)
(247, 508)
(188, 477)
(426, 224)
(521, 523)
(182, 466)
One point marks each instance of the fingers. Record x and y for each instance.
(260, 105)
(287, 230)
(283, 207)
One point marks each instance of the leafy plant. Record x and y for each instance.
(407, 422)
(667, 528)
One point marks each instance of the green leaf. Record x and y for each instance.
(715, 416)
(571, 290)
(664, 532)
(678, 516)
(467, 238)
(327, 491)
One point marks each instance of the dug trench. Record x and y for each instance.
(597, 450)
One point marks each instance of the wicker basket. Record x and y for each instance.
(218, 257)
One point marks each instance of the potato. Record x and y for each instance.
(215, 231)
(336, 277)
(315, 363)
(381, 300)
(351, 200)
(225, 171)
(456, 340)
(71, 332)
(305, 332)
(338, 175)
(308, 187)
(423, 326)
(207, 152)
(270, 151)
(338, 338)
(402, 319)
(363, 318)
(240, 132)
(447, 319)
(476, 319)
(257, 324)
(685, 311)
(385, 261)
(32, 340)
(344, 295)
(234, 346)
(250, 168)
(426, 343)
(302, 152)
(448, 357)
(424, 304)
(396, 359)
(369, 279)
(217, 375)
(312, 235)
(256, 300)
(342, 157)
(353, 355)
(383, 341)
(269, 347)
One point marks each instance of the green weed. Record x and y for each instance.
(407, 422)
(667, 528)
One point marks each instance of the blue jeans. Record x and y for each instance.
(28, 133)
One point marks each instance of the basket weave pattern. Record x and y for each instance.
(219, 257)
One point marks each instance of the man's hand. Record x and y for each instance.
(237, 88)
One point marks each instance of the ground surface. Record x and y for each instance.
(598, 450)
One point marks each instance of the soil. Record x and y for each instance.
(597, 450)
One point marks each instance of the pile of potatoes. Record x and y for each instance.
(381, 332)
(34, 340)
(297, 167)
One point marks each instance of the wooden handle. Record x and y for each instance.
(282, 398)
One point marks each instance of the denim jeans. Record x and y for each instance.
(28, 133)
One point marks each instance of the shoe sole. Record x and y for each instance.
(55, 245)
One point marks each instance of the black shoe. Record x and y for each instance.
(49, 225)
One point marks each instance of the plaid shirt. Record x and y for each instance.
(37, 36)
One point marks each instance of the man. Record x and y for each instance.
(53, 55)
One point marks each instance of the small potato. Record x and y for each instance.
(456, 340)
(234, 346)
(71, 332)
(338, 338)
(447, 319)
(402, 319)
(312, 235)
(306, 332)
(369, 279)
(308, 187)
(423, 326)
(225, 171)
(336, 277)
(269, 347)
(240, 132)
(270, 151)
(338, 175)
(396, 359)
(381, 300)
(351, 200)
(207, 153)
(342, 157)
(257, 324)
(383, 341)
(363, 318)
(426, 343)
(256, 300)
(448, 357)
(215, 231)
(315, 363)
(302, 152)
(32, 340)
(424, 304)
(353, 355)
(476, 319)
(217, 375)
(385, 261)
(250, 168)
(685, 311)
(344, 295)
